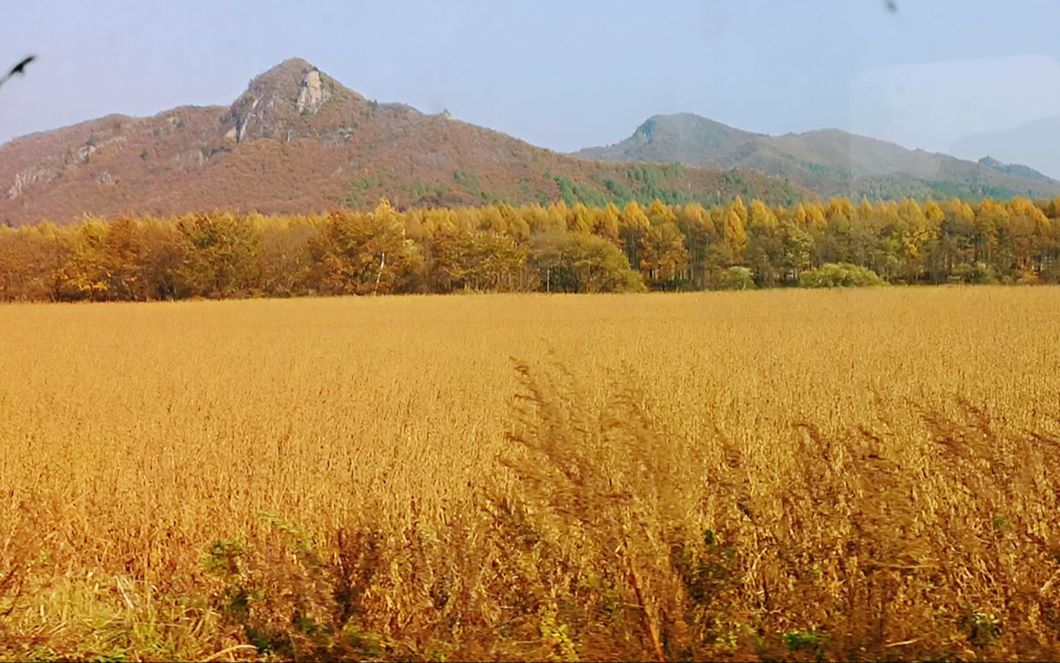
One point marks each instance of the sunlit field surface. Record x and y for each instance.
(777, 474)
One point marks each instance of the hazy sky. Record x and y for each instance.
(561, 74)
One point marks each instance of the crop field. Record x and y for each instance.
(781, 475)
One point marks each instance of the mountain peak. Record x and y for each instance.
(280, 103)
(1014, 169)
(680, 137)
(688, 126)
(294, 62)
(283, 76)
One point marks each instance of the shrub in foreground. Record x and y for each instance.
(736, 278)
(839, 275)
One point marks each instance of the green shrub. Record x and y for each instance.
(980, 273)
(736, 278)
(839, 275)
(572, 262)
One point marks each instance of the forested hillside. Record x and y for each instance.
(555, 248)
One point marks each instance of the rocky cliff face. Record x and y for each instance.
(312, 94)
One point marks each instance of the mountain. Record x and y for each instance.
(1036, 144)
(299, 141)
(828, 162)
(1014, 169)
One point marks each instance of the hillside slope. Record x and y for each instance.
(299, 141)
(829, 162)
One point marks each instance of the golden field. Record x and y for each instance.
(763, 475)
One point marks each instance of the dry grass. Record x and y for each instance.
(774, 475)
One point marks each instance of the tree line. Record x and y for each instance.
(553, 248)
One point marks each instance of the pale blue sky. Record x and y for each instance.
(561, 74)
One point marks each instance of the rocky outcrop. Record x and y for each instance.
(312, 94)
(283, 103)
(243, 122)
(27, 178)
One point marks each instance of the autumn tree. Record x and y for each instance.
(956, 242)
(607, 222)
(734, 232)
(365, 254)
(457, 259)
(987, 220)
(833, 243)
(796, 250)
(663, 256)
(163, 260)
(124, 258)
(504, 248)
(284, 259)
(84, 274)
(764, 250)
(915, 235)
(580, 219)
(105, 261)
(573, 262)
(702, 241)
(219, 255)
(660, 214)
(633, 223)
(31, 262)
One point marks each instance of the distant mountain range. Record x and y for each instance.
(1036, 143)
(829, 162)
(299, 141)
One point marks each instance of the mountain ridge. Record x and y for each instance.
(827, 161)
(298, 141)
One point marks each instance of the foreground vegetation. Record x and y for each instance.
(523, 249)
(781, 475)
